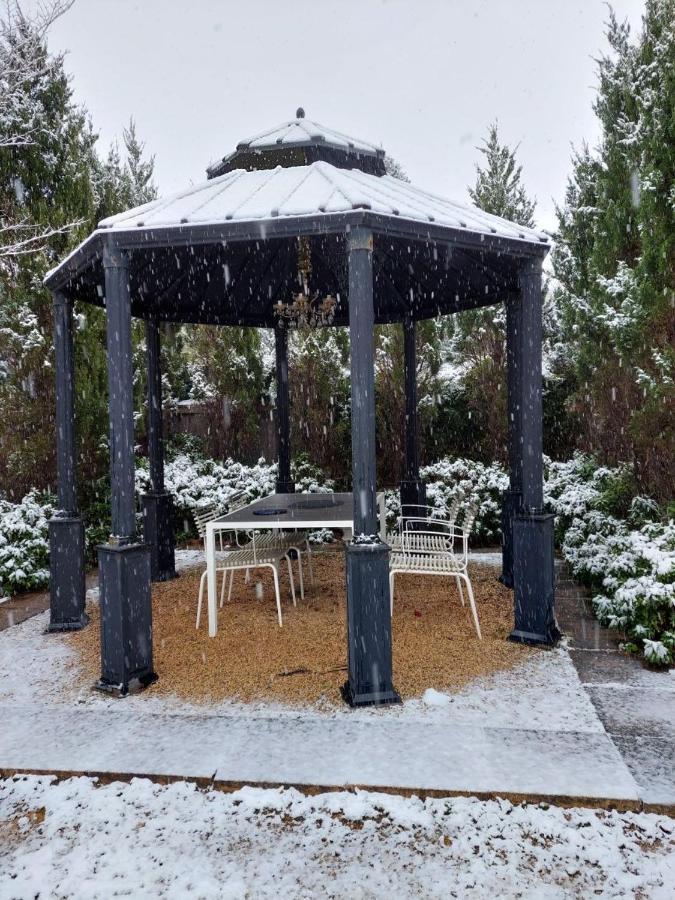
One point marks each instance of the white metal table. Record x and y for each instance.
(288, 512)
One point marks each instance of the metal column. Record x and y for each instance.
(413, 490)
(157, 505)
(66, 529)
(533, 560)
(367, 557)
(124, 563)
(285, 484)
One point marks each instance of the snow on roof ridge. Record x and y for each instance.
(321, 131)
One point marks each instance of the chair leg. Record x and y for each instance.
(222, 588)
(472, 603)
(229, 590)
(302, 581)
(391, 593)
(309, 561)
(199, 602)
(277, 593)
(459, 588)
(291, 579)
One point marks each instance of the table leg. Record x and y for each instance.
(211, 579)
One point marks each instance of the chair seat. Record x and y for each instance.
(423, 563)
(249, 558)
(418, 541)
(279, 540)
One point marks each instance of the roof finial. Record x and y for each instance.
(299, 113)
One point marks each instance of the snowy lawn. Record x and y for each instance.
(81, 840)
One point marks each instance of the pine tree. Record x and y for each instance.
(614, 258)
(498, 188)
(477, 343)
(45, 184)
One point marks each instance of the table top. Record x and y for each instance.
(292, 511)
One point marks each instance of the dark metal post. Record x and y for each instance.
(66, 529)
(368, 614)
(157, 504)
(533, 561)
(285, 484)
(124, 564)
(413, 490)
(513, 498)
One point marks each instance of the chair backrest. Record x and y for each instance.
(453, 509)
(469, 518)
(427, 542)
(237, 501)
(202, 516)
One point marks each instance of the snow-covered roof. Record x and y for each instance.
(301, 131)
(314, 190)
(296, 135)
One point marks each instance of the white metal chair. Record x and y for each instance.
(237, 559)
(435, 552)
(422, 517)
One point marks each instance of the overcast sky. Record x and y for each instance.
(423, 78)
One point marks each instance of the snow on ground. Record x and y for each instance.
(76, 839)
(544, 693)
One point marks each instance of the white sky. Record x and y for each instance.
(422, 77)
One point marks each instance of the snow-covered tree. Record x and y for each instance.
(25, 69)
(476, 346)
(499, 188)
(614, 258)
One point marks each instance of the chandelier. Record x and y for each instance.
(307, 309)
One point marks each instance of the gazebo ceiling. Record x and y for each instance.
(224, 251)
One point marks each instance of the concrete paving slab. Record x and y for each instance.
(325, 752)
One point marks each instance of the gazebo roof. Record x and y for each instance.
(319, 189)
(224, 251)
(301, 141)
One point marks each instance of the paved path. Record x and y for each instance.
(322, 752)
(636, 705)
(630, 761)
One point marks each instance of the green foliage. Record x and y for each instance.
(56, 183)
(499, 189)
(614, 258)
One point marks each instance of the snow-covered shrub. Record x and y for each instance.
(477, 484)
(24, 543)
(629, 561)
(197, 482)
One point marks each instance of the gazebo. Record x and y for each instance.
(300, 223)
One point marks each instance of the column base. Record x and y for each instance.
(135, 685)
(126, 619)
(369, 660)
(534, 581)
(67, 577)
(158, 534)
(413, 492)
(284, 487)
(512, 504)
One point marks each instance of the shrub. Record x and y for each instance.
(628, 560)
(24, 543)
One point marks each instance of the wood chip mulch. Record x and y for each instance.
(252, 659)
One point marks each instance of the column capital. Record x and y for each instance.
(60, 299)
(530, 267)
(360, 238)
(114, 257)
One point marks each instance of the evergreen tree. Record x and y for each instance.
(499, 189)
(476, 344)
(614, 259)
(44, 184)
